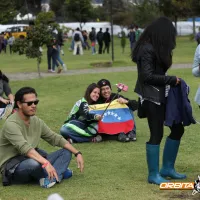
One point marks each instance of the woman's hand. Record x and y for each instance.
(6, 101)
(122, 100)
(177, 81)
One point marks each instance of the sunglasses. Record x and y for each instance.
(30, 103)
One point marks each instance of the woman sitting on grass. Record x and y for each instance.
(6, 105)
(81, 126)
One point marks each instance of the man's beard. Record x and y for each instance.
(28, 115)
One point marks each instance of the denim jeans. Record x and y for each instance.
(58, 56)
(31, 170)
(54, 59)
(134, 128)
(197, 96)
(67, 132)
(93, 49)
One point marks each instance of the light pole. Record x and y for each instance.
(111, 23)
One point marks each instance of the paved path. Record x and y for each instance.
(34, 75)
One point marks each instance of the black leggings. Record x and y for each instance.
(156, 116)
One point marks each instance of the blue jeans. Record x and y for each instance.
(58, 58)
(68, 132)
(31, 170)
(134, 128)
(93, 49)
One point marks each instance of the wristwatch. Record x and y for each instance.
(76, 154)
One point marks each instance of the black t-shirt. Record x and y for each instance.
(132, 104)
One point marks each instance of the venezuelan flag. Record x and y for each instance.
(116, 119)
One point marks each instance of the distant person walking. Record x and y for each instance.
(78, 40)
(131, 36)
(137, 33)
(11, 41)
(92, 37)
(85, 38)
(106, 39)
(100, 40)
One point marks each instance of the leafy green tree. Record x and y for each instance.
(145, 13)
(80, 11)
(38, 35)
(180, 9)
(7, 11)
(123, 19)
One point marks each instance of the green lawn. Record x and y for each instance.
(184, 53)
(113, 170)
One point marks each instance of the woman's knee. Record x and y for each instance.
(64, 131)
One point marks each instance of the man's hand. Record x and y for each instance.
(122, 100)
(98, 117)
(51, 172)
(80, 162)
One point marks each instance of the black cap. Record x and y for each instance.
(104, 82)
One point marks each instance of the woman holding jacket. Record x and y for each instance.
(153, 55)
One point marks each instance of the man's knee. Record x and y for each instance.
(33, 164)
(67, 153)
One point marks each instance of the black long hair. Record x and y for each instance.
(161, 34)
(3, 77)
(88, 91)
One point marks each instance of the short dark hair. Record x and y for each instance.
(19, 96)
(88, 91)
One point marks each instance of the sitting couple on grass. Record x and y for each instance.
(82, 125)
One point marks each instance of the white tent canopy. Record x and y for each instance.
(28, 16)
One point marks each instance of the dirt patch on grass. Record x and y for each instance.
(102, 64)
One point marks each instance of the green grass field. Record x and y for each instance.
(183, 53)
(113, 170)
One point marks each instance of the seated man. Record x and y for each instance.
(21, 161)
(106, 96)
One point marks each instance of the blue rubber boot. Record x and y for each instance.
(152, 152)
(169, 157)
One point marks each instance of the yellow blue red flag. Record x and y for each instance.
(116, 119)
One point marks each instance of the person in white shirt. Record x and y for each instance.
(78, 41)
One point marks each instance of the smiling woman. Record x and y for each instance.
(81, 126)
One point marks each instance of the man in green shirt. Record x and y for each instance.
(20, 159)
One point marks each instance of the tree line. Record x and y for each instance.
(124, 12)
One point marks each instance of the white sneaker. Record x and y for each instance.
(62, 52)
(64, 68)
(47, 183)
(98, 138)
